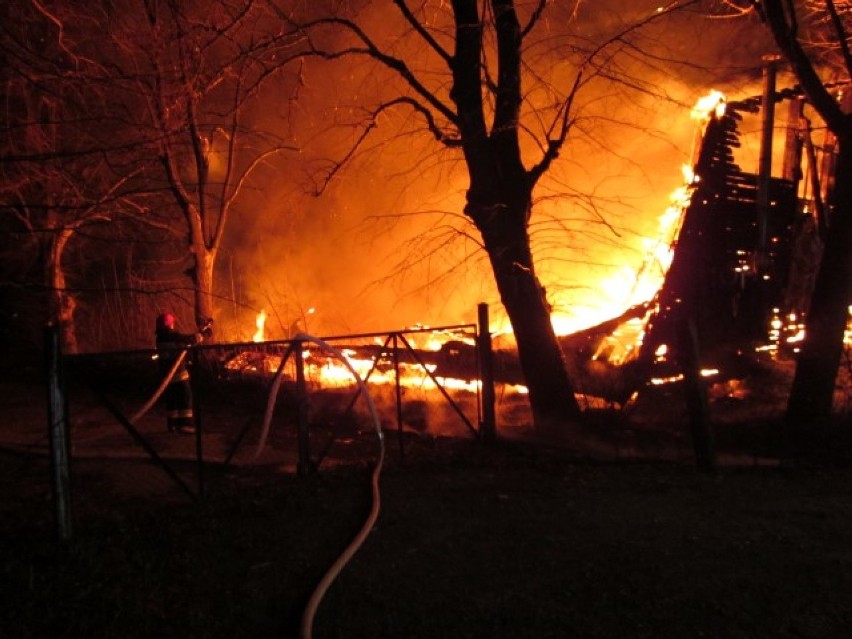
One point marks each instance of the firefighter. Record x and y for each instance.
(178, 394)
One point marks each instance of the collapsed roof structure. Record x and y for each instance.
(745, 256)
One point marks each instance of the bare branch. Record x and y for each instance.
(737, 8)
(439, 135)
(536, 14)
(554, 144)
(371, 50)
(562, 119)
(782, 31)
(237, 187)
(840, 34)
(60, 38)
(420, 29)
(338, 165)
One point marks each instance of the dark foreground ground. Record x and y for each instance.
(470, 542)
(512, 540)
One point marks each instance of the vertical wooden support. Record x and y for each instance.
(488, 427)
(764, 174)
(696, 396)
(304, 464)
(791, 168)
(60, 467)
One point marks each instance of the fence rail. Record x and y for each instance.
(291, 392)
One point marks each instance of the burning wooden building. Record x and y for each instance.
(742, 262)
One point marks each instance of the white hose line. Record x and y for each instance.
(162, 387)
(306, 629)
(270, 406)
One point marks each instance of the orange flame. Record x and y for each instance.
(626, 288)
(260, 323)
(711, 104)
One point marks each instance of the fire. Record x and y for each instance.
(325, 372)
(641, 286)
(623, 343)
(662, 381)
(434, 340)
(786, 334)
(711, 104)
(629, 287)
(260, 323)
(623, 289)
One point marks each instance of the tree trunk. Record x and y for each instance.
(499, 203)
(202, 271)
(204, 264)
(551, 393)
(810, 403)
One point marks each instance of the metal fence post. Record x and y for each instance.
(488, 427)
(195, 372)
(398, 389)
(57, 415)
(304, 465)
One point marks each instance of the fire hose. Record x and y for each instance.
(306, 627)
(162, 387)
(168, 378)
(270, 407)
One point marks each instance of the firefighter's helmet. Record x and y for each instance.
(165, 322)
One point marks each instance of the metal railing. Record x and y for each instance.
(241, 378)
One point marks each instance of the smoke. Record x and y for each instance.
(385, 244)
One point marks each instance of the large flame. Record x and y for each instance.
(629, 287)
(625, 288)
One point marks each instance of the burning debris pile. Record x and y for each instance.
(433, 370)
(424, 358)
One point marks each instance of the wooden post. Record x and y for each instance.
(696, 396)
(488, 427)
(791, 169)
(57, 415)
(764, 174)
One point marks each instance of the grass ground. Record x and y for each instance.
(506, 541)
(512, 540)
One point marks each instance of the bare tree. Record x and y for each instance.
(475, 75)
(57, 181)
(166, 96)
(198, 70)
